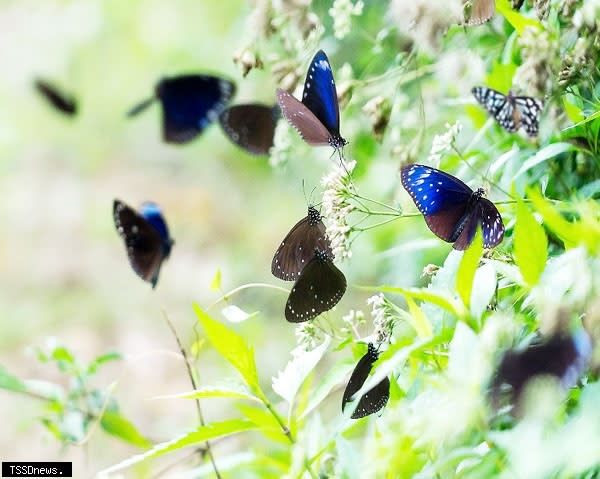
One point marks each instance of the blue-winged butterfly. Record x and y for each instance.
(63, 102)
(451, 209)
(318, 289)
(374, 399)
(298, 247)
(317, 116)
(190, 103)
(146, 237)
(510, 111)
(251, 126)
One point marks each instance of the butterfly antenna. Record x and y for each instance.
(140, 107)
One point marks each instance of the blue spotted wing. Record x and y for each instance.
(451, 209)
(190, 103)
(146, 237)
(319, 288)
(511, 112)
(317, 116)
(251, 126)
(298, 247)
(374, 399)
(60, 100)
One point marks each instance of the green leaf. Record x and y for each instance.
(467, 267)
(200, 435)
(592, 117)
(213, 392)
(10, 382)
(234, 314)
(419, 320)
(518, 21)
(117, 425)
(102, 359)
(501, 76)
(531, 245)
(265, 421)
(232, 347)
(574, 113)
(565, 230)
(215, 284)
(441, 299)
(485, 286)
(546, 153)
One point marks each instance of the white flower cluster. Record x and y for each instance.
(382, 320)
(280, 152)
(538, 50)
(443, 142)
(342, 12)
(336, 207)
(352, 320)
(308, 336)
(588, 14)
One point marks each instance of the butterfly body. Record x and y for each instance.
(374, 399)
(61, 101)
(146, 237)
(319, 288)
(251, 126)
(317, 116)
(510, 111)
(452, 210)
(298, 247)
(190, 103)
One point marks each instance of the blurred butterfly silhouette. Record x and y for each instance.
(480, 12)
(61, 101)
(298, 247)
(190, 103)
(562, 356)
(511, 112)
(318, 289)
(451, 209)
(317, 116)
(251, 126)
(374, 399)
(146, 238)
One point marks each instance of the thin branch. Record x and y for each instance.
(227, 295)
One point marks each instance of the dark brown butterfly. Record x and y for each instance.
(374, 399)
(61, 101)
(480, 12)
(251, 126)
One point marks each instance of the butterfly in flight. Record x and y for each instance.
(251, 126)
(146, 238)
(511, 112)
(317, 116)
(318, 289)
(298, 247)
(563, 356)
(61, 101)
(374, 399)
(190, 103)
(480, 12)
(451, 209)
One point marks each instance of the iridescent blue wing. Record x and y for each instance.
(319, 288)
(528, 110)
(153, 215)
(374, 399)
(251, 126)
(144, 243)
(498, 105)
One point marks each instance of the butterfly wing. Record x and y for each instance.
(529, 113)
(302, 119)
(374, 399)
(59, 100)
(251, 126)
(152, 214)
(318, 289)
(498, 105)
(492, 226)
(481, 12)
(298, 247)
(143, 242)
(190, 103)
(320, 95)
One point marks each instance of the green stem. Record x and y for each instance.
(226, 296)
(378, 213)
(356, 195)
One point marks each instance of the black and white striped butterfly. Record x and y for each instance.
(511, 112)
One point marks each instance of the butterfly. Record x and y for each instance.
(511, 112)
(563, 356)
(146, 238)
(481, 11)
(374, 399)
(451, 209)
(251, 126)
(317, 116)
(318, 289)
(298, 247)
(190, 103)
(59, 100)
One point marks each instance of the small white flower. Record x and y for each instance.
(443, 142)
(342, 12)
(308, 336)
(280, 152)
(383, 321)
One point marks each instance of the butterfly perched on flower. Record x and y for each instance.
(59, 100)
(374, 399)
(451, 209)
(298, 247)
(511, 112)
(146, 237)
(319, 288)
(251, 126)
(317, 116)
(190, 103)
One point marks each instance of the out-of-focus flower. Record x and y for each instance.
(538, 50)
(352, 321)
(383, 320)
(308, 336)
(430, 270)
(378, 109)
(248, 60)
(542, 7)
(588, 15)
(282, 145)
(337, 207)
(342, 12)
(444, 142)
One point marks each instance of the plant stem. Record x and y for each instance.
(226, 296)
